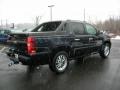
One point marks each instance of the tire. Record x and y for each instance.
(59, 63)
(105, 51)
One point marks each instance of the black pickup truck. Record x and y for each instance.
(56, 43)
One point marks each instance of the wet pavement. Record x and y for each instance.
(93, 74)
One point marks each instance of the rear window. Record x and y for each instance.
(45, 27)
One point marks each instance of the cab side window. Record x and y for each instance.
(76, 28)
(90, 29)
(64, 27)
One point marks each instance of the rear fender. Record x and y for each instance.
(60, 48)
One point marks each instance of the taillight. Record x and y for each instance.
(31, 45)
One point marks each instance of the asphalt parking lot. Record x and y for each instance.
(93, 74)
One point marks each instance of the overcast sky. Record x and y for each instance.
(22, 11)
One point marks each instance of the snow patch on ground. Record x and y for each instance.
(116, 37)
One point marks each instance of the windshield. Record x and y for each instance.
(45, 27)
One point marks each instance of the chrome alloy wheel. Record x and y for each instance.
(106, 50)
(61, 62)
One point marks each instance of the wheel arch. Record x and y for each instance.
(60, 48)
(107, 42)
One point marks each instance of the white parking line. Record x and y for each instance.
(3, 50)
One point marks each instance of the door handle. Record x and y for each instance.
(90, 39)
(77, 39)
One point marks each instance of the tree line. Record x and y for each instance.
(111, 25)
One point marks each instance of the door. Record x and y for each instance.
(79, 41)
(94, 41)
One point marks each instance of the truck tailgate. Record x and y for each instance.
(17, 43)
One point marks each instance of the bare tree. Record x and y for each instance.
(111, 25)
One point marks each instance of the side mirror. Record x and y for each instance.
(99, 32)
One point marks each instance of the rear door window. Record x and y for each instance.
(76, 28)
